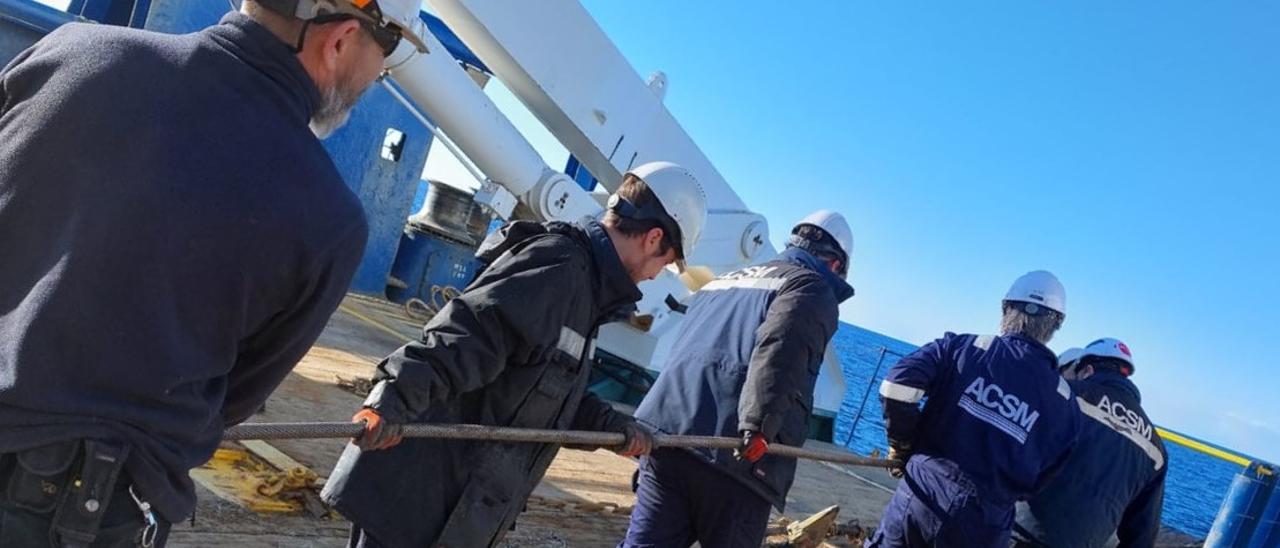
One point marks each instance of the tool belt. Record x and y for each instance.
(71, 481)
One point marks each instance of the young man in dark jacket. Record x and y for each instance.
(513, 350)
(745, 366)
(998, 424)
(174, 238)
(1113, 484)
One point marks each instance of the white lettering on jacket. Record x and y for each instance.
(1125, 422)
(750, 272)
(990, 403)
(753, 277)
(1122, 415)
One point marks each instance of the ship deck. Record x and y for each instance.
(584, 499)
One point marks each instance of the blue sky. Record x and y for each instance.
(1133, 149)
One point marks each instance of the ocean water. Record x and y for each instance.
(1194, 488)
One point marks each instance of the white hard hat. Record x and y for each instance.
(682, 199)
(1069, 357)
(390, 19)
(404, 15)
(1041, 288)
(1109, 348)
(833, 224)
(395, 10)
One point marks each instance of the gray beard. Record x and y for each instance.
(335, 109)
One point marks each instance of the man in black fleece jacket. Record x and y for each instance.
(514, 349)
(173, 238)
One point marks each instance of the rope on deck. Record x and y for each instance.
(477, 432)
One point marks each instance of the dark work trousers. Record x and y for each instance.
(1023, 538)
(681, 499)
(940, 508)
(122, 525)
(360, 539)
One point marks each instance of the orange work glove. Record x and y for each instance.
(378, 434)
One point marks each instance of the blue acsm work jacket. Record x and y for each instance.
(996, 408)
(1113, 484)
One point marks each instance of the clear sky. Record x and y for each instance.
(1132, 149)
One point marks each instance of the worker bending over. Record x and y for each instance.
(1112, 487)
(744, 366)
(514, 349)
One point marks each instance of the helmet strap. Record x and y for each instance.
(653, 211)
(819, 248)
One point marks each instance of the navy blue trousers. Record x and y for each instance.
(936, 505)
(680, 500)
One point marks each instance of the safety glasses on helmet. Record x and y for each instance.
(386, 36)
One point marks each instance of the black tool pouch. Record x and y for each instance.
(80, 512)
(40, 475)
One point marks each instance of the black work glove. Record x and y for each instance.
(639, 441)
(899, 453)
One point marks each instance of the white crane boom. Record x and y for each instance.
(560, 64)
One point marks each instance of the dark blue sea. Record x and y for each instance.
(1193, 490)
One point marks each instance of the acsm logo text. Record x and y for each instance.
(991, 396)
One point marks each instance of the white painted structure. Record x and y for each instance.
(558, 62)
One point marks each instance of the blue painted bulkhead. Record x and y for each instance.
(23, 22)
(430, 267)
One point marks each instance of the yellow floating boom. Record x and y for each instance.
(1202, 447)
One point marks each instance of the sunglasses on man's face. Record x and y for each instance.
(387, 38)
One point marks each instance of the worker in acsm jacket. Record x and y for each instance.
(999, 422)
(514, 349)
(745, 366)
(158, 286)
(1112, 487)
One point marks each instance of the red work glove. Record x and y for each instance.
(753, 447)
(639, 441)
(377, 433)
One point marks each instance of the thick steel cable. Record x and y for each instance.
(315, 430)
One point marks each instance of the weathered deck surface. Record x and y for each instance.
(583, 500)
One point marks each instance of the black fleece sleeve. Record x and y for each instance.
(9, 73)
(272, 352)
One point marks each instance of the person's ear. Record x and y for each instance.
(653, 239)
(338, 43)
